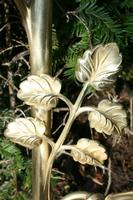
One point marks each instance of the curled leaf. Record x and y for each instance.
(90, 152)
(27, 132)
(99, 65)
(120, 196)
(81, 195)
(40, 91)
(108, 118)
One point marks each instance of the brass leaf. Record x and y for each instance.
(40, 91)
(120, 196)
(108, 118)
(27, 132)
(90, 152)
(99, 65)
(81, 195)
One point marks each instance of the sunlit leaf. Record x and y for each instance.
(99, 196)
(108, 118)
(120, 196)
(90, 152)
(40, 91)
(27, 132)
(83, 195)
(99, 65)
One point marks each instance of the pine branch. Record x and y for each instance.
(99, 22)
(128, 24)
(127, 3)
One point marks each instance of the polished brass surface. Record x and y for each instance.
(40, 59)
(40, 48)
(37, 20)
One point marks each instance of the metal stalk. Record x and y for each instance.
(37, 20)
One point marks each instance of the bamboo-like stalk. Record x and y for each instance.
(37, 20)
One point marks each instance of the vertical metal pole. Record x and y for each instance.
(40, 59)
(40, 49)
(37, 20)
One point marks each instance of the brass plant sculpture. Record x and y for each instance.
(96, 70)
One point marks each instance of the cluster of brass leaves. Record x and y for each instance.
(89, 152)
(99, 65)
(96, 67)
(40, 92)
(108, 118)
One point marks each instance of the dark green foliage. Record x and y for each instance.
(91, 23)
(15, 172)
(127, 3)
(128, 25)
(100, 24)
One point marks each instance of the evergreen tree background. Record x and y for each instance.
(77, 26)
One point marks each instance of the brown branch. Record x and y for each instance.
(5, 162)
(131, 113)
(3, 27)
(62, 124)
(9, 83)
(10, 48)
(109, 177)
(11, 89)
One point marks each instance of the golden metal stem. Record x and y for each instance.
(37, 20)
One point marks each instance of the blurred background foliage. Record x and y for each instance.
(77, 26)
